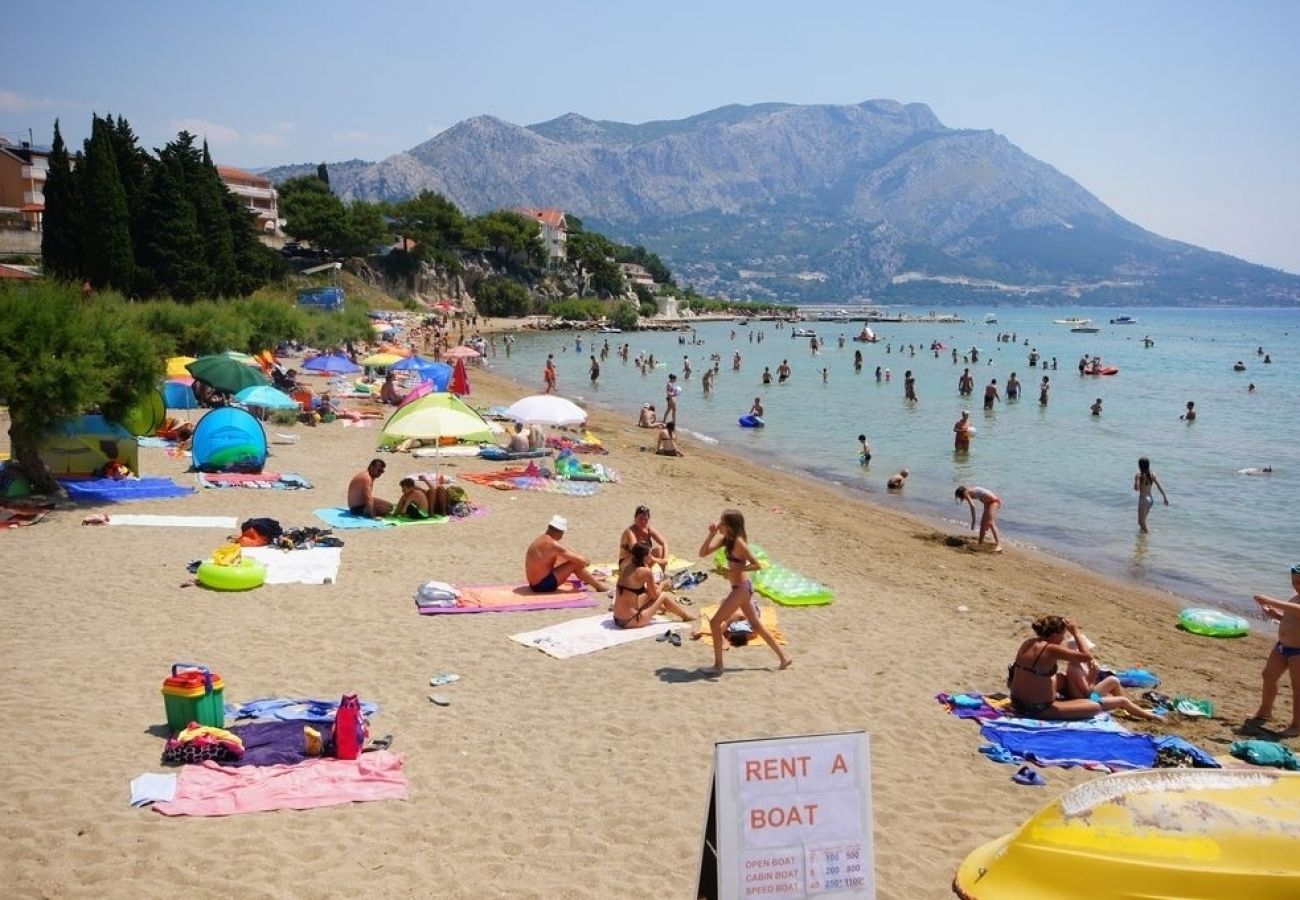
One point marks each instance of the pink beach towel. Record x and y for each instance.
(479, 598)
(210, 789)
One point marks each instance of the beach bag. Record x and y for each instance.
(350, 728)
(436, 594)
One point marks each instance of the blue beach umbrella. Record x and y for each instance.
(266, 397)
(331, 363)
(437, 372)
(179, 395)
(415, 361)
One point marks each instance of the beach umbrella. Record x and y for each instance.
(423, 389)
(439, 373)
(415, 361)
(176, 366)
(380, 360)
(461, 352)
(330, 364)
(226, 374)
(177, 394)
(266, 397)
(435, 416)
(546, 409)
(460, 379)
(243, 358)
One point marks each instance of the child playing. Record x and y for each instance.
(1284, 657)
(864, 450)
(729, 533)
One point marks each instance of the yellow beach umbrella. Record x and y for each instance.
(176, 366)
(382, 359)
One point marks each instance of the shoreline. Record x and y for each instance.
(568, 770)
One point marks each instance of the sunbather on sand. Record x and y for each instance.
(639, 597)
(420, 500)
(548, 563)
(729, 534)
(1033, 681)
(361, 492)
(642, 532)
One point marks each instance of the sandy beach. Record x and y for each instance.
(585, 777)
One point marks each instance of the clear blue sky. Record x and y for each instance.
(1182, 116)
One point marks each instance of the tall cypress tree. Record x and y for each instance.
(62, 223)
(173, 249)
(109, 259)
(214, 225)
(323, 173)
(133, 166)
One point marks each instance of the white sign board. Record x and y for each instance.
(793, 817)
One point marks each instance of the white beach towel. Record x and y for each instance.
(318, 565)
(227, 522)
(580, 636)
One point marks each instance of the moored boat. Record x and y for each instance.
(1123, 320)
(1071, 320)
(1085, 329)
(990, 319)
(1190, 833)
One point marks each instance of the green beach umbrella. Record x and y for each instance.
(226, 374)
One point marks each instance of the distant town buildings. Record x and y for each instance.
(555, 231)
(257, 194)
(23, 169)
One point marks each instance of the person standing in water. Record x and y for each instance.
(962, 432)
(1013, 387)
(729, 534)
(989, 520)
(1143, 482)
(909, 386)
(1042, 392)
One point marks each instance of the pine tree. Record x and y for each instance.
(323, 174)
(61, 235)
(133, 165)
(214, 225)
(108, 257)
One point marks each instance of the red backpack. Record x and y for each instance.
(350, 728)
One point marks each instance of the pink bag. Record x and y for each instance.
(350, 728)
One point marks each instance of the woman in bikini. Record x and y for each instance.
(1033, 681)
(1143, 482)
(989, 520)
(638, 597)
(729, 534)
(642, 532)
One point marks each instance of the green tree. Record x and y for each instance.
(311, 212)
(108, 258)
(62, 225)
(255, 263)
(498, 296)
(209, 193)
(510, 234)
(323, 173)
(624, 315)
(172, 250)
(63, 356)
(363, 230)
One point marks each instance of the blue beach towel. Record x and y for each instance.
(338, 517)
(289, 710)
(107, 490)
(1081, 743)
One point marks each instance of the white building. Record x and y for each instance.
(555, 231)
(258, 195)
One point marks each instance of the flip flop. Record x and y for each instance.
(382, 743)
(443, 678)
(998, 754)
(1028, 776)
(439, 700)
(675, 639)
(665, 636)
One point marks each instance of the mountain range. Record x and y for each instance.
(826, 203)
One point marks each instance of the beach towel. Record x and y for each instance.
(316, 565)
(274, 743)
(339, 517)
(264, 481)
(156, 443)
(766, 615)
(209, 789)
(289, 710)
(16, 517)
(106, 490)
(226, 522)
(582, 636)
(479, 598)
(1086, 743)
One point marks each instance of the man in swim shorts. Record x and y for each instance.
(548, 563)
(361, 492)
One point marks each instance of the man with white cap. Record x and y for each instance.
(548, 563)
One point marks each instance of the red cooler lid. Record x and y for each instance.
(189, 679)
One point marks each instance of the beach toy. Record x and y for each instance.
(720, 557)
(193, 694)
(788, 588)
(751, 422)
(245, 576)
(1212, 623)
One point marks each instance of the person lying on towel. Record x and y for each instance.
(548, 563)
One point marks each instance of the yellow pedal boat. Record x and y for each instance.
(1191, 834)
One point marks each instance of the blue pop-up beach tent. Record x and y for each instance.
(229, 440)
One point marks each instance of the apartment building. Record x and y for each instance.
(555, 231)
(258, 195)
(23, 170)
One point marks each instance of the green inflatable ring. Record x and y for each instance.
(247, 575)
(1212, 623)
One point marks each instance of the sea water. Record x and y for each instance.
(1064, 475)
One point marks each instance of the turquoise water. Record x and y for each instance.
(1065, 477)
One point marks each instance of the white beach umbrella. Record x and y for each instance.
(546, 409)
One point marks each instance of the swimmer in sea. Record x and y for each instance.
(1143, 482)
(1190, 415)
(864, 450)
(1265, 470)
(1096, 407)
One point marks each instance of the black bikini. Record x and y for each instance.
(623, 623)
(1025, 707)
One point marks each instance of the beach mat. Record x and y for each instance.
(479, 598)
(581, 636)
(264, 481)
(107, 490)
(226, 522)
(766, 615)
(17, 517)
(338, 517)
(315, 565)
(789, 588)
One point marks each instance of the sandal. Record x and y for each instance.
(675, 638)
(665, 636)
(1028, 776)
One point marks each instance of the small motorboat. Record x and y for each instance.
(1071, 320)
(1123, 320)
(803, 332)
(1196, 834)
(609, 329)
(1085, 329)
(991, 319)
